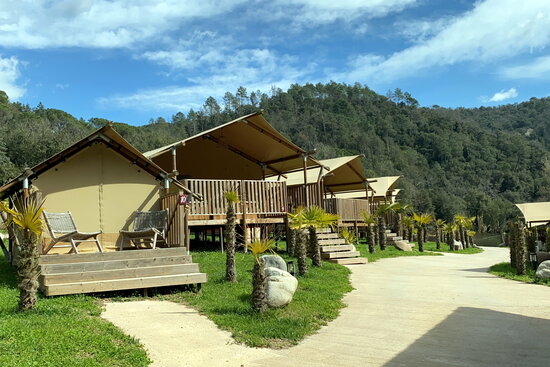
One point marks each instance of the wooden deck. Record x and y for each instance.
(111, 271)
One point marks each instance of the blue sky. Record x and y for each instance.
(130, 60)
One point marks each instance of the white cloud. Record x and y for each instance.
(492, 31)
(255, 69)
(97, 23)
(504, 95)
(537, 69)
(9, 73)
(328, 11)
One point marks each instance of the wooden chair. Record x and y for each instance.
(148, 228)
(62, 228)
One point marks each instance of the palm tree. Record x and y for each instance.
(400, 210)
(521, 249)
(231, 198)
(512, 242)
(370, 220)
(26, 215)
(439, 225)
(297, 223)
(259, 295)
(408, 223)
(422, 220)
(450, 229)
(380, 213)
(460, 221)
(315, 217)
(348, 236)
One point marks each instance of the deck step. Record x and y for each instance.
(350, 261)
(113, 264)
(337, 248)
(122, 284)
(117, 255)
(340, 254)
(323, 236)
(332, 241)
(396, 238)
(126, 273)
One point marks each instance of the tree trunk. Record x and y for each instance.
(314, 247)
(230, 244)
(512, 244)
(410, 233)
(291, 242)
(438, 239)
(370, 238)
(259, 296)
(420, 239)
(424, 233)
(382, 233)
(461, 234)
(301, 252)
(27, 271)
(521, 248)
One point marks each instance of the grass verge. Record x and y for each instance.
(61, 331)
(390, 251)
(431, 246)
(505, 270)
(317, 301)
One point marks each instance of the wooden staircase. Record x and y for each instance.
(111, 271)
(335, 250)
(398, 242)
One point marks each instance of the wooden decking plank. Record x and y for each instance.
(337, 248)
(89, 276)
(114, 255)
(113, 264)
(121, 284)
(350, 261)
(335, 255)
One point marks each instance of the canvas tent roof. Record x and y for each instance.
(535, 212)
(245, 148)
(344, 174)
(382, 185)
(359, 194)
(106, 135)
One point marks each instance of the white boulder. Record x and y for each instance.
(280, 287)
(543, 271)
(273, 261)
(403, 245)
(457, 245)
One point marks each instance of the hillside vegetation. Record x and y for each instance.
(475, 161)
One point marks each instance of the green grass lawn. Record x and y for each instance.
(430, 246)
(505, 270)
(61, 331)
(317, 301)
(390, 251)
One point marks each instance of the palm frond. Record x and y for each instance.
(232, 197)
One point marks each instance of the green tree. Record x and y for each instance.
(26, 216)
(370, 221)
(315, 217)
(259, 280)
(422, 221)
(231, 199)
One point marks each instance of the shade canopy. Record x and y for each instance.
(340, 174)
(383, 186)
(535, 213)
(105, 135)
(245, 148)
(360, 194)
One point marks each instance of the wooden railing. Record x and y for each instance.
(297, 195)
(347, 209)
(256, 197)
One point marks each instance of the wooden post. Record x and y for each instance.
(174, 162)
(26, 188)
(243, 201)
(181, 222)
(221, 237)
(305, 180)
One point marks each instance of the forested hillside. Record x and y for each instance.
(475, 161)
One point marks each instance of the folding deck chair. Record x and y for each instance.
(148, 228)
(62, 228)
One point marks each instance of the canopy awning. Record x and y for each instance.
(245, 148)
(383, 186)
(360, 194)
(340, 174)
(535, 213)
